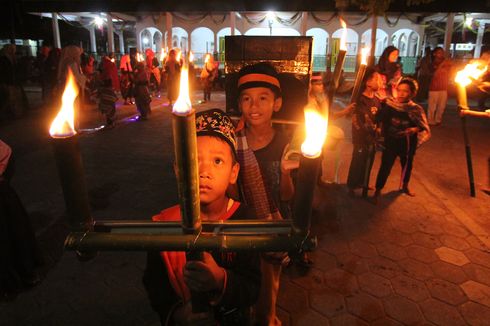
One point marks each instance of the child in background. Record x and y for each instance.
(404, 127)
(363, 131)
(141, 91)
(265, 175)
(107, 101)
(229, 280)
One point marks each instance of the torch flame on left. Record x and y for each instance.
(63, 124)
(183, 104)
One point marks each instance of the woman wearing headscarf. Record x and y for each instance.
(390, 71)
(13, 100)
(172, 70)
(71, 58)
(208, 74)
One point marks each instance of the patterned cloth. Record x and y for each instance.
(417, 115)
(256, 191)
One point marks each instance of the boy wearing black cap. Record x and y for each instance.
(265, 175)
(230, 281)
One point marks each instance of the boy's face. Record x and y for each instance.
(216, 168)
(403, 93)
(257, 105)
(317, 87)
(373, 82)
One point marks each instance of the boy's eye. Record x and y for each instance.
(218, 161)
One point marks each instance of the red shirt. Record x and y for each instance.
(440, 79)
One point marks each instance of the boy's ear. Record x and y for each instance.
(235, 169)
(277, 104)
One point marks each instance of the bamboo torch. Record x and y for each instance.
(360, 75)
(69, 161)
(334, 82)
(309, 166)
(185, 145)
(463, 79)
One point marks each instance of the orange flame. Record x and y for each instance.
(191, 57)
(183, 104)
(316, 132)
(471, 71)
(162, 54)
(139, 57)
(179, 55)
(364, 55)
(343, 39)
(206, 60)
(63, 124)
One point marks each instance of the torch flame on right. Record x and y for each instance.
(471, 71)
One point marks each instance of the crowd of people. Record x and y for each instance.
(136, 80)
(244, 169)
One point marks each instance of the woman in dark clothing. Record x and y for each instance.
(404, 126)
(363, 132)
(389, 69)
(172, 70)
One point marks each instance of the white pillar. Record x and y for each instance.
(93, 43)
(189, 42)
(479, 39)
(449, 33)
(304, 22)
(374, 28)
(56, 30)
(215, 50)
(168, 27)
(121, 42)
(232, 22)
(138, 40)
(110, 34)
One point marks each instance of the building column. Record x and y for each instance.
(121, 42)
(168, 27)
(189, 42)
(232, 22)
(93, 42)
(110, 34)
(304, 22)
(56, 30)
(215, 50)
(374, 28)
(479, 39)
(138, 40)
(449, 33)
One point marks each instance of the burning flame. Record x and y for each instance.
(113, 60)
(183, 104)
(316, 132)
(343, 39)
(191, 57)
(162, 54)
(470, 71)
(364, 55)
(179, 55)
(206, 60)
(139, 57)
(63, 124)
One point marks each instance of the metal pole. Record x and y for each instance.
(374, 29)
(469, 161)
(103, 241)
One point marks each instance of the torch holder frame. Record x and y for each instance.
(239, 235)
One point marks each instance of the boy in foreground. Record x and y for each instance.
(230, 281)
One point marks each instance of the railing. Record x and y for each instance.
(319, 62)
